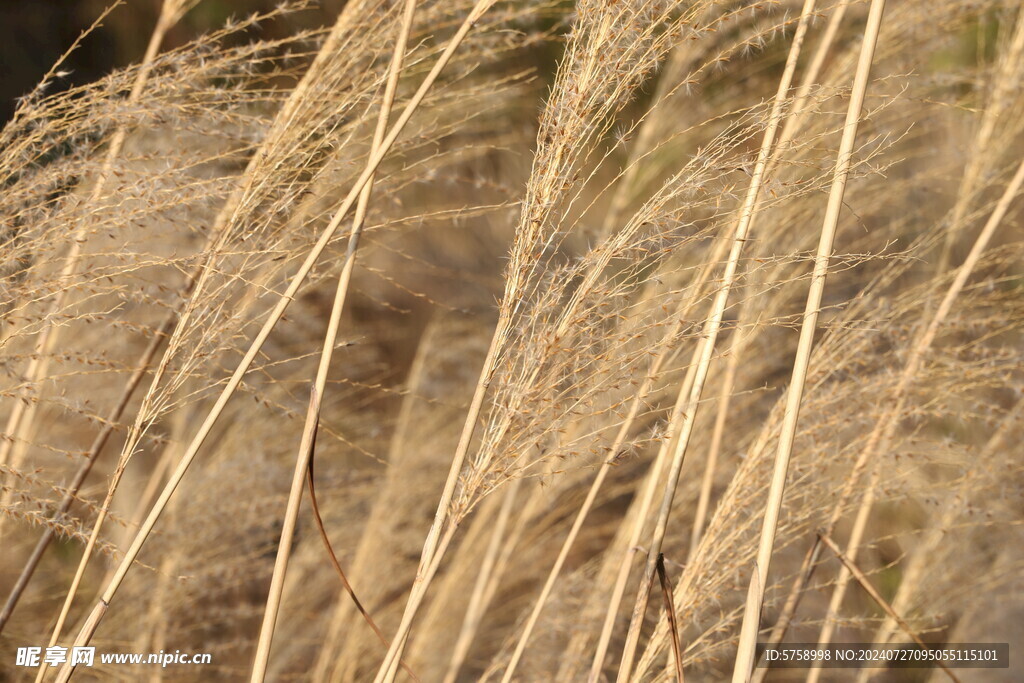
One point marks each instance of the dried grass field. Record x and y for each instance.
(519, 340)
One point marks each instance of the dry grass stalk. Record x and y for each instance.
(20, 421)
(171, 11)
(883, 431)
(306, 448)
(751, 621)
(304, 461)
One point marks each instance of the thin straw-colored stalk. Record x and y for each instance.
(852, 550)
(862, 579)
(331, 646)
(791, 126)
(886, 427)
(284, 549)
(284, 300)
(736, 348)
(388, 669)
(810, 78)
(20, 421)
(645, 141)
(662, 353)
(485, 578)
(710, 333)
(755, 596)
(305, 455)
(152, 637)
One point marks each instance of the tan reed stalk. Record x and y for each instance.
(22, 416)
(259, 667)
(302, 462)
(157, 640)
(151, 639)
(662, 352)
(387, 670)
(736, 348)
(839, 589)
(505, 557)
(660, 356)
(711, 329)
(19, 422)
(791, 126)
(278, 311)
(194, 282)
(865, 583)
(755, 596)
(331, 645)
(483, 586)
(645, 141)
(886, 427)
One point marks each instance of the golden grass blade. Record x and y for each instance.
(883, 430)
(259, 668)
(639, 521)
(83, 471)
(749, 630)
(792, 125)
(194, 281)
(480, 598)
(662, 352)
(304, 461)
